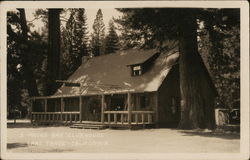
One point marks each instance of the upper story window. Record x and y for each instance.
(141, 66)
(137, 70)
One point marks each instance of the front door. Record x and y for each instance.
(91, 108)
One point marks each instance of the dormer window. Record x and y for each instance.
(142, 64)
(137, 70)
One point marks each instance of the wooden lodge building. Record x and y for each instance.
(125, 89)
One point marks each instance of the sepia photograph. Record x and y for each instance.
(125, 80)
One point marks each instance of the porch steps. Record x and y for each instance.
(88, 126)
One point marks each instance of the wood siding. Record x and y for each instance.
(169, 99)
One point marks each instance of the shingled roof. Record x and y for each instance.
(111, 73)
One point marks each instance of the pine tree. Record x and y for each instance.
(197, 94)
(74, 41)
(130, 37)
(112, 39)
(154, 26)
(98, 35)
(221, 44)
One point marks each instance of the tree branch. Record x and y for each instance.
(63, 18)
(35, 19)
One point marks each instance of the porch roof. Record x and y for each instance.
(111, 74)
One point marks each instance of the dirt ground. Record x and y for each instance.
(24, 137)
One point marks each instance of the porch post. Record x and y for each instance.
(102, 114)
(62, 108)
(129, 109)
(45, 110)
(156, 109)
(45, 105)
(31, 110)
(80, 108)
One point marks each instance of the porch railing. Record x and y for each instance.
(122, 117)
(67, 117)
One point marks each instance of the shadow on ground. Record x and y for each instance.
(60, 150)
(229, 136)
(16, 145)
(29, 125)
(21, 145)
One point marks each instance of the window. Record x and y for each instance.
(71, 104)
(136, 73)
(54, 105)
(137, 70)
(173, 107)
(143, 101)
(117, 103)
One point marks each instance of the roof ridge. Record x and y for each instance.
(125, 50)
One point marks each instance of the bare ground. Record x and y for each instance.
(24, 137)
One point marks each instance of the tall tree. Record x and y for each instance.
(28, 73)
(98, 35)
(153, 27)
(74, 41)
(112, 39)
(14, 82)
(24, 48)
(54, 50)
(220, 43)
(197, 103)
(129, 38)
(25, 54)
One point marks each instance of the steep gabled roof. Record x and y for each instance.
(111, 73)
(138, 56)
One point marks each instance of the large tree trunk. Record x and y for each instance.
(197, 94)
(54, 50)
(27, 59)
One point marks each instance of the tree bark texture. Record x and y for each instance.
(53, 67)
(197, 92)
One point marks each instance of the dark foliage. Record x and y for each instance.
(25, 57)
(74, 41)
(220, 43)
(149, 28)
(112, 39)
(98, 35)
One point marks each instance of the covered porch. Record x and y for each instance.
(112, 110)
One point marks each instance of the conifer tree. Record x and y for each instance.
(197, 92)
(112, 39)
(74, 41)
(220, 43)
(98, 35)
(159, 25)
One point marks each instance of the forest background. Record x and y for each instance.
(29, 59)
